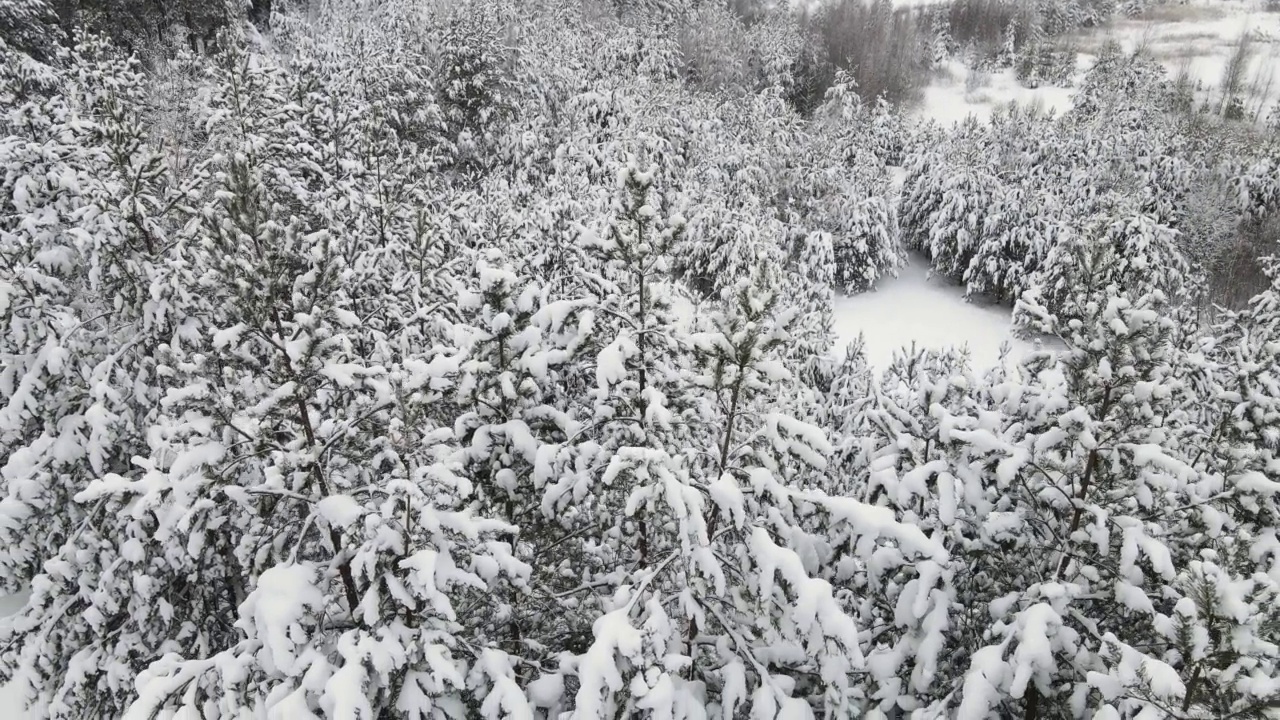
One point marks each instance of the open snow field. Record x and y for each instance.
(1196, 38)
(1199, 36)
(961, 91)
(926, 310)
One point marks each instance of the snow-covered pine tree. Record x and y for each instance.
(767, 522)
(93, 612)
(1018, 233)
(1224, 640)
(811, 275)
(1087, 448)
(616, 478)
(745, 470)
(948, 192)
(1091, 463)
(866, 246)
(515, 397)
(847, 186)
(1127, 250)
(723, 246)
(30, 42)
(941, 43)
(956, 231)
(1014, 38)
(1117, 82)
(87, 298)
(886, 131)
(842, 412)
(474, 89)
(905, 473)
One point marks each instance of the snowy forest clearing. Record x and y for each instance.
(11, 699)
(928, 311)
(960, 91)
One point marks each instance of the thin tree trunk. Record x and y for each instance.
(304, 416)
(1032, 711)
(1191, 687)
(1090, 467)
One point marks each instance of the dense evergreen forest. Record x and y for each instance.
(474, 359)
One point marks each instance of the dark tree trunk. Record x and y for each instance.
(1032, 709)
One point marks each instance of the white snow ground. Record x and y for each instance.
(960, 92)
(10, 696)
(927, 310)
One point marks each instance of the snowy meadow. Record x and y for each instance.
(587, 359)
